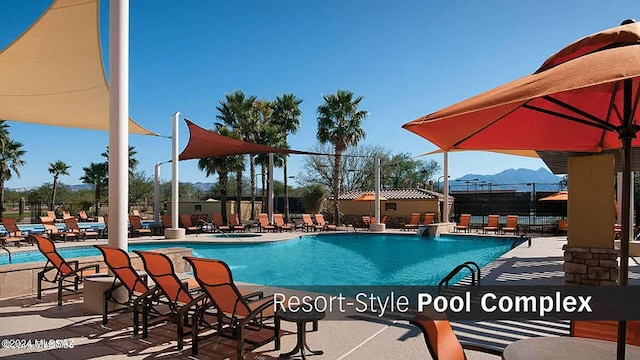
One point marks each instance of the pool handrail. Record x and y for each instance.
(473, 267)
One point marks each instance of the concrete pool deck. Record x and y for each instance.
(26, 318)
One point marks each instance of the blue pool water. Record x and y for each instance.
(340, 259)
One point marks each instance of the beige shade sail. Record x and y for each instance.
(53, 73)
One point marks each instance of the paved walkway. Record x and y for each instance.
(27, 318)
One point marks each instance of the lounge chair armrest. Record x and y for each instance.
(485, 349)
(95, 267)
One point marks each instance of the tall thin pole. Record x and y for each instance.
(445, 206)
(175, 200)
(377, 195)
(156, 194)
(270, 186)
(118, 123)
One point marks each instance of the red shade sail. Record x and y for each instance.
(205, 143)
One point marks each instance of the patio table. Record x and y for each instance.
(543, 348)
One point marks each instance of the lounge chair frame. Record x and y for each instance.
(465, 220)
(182, 302)
(135, 223)
(68, 274)
(238, 312)
(119, 263)
(73, 227)
(321, 222)
(278, 219)
(414, 223)
(12, 232)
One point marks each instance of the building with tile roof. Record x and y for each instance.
(398, 206)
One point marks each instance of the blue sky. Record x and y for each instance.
(406, 58)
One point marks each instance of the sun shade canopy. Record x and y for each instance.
(369, 197)
(205, 143)
(559, 196)
(53, 73)
(580, 85)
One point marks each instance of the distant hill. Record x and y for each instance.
(509, 179)
(506, 180)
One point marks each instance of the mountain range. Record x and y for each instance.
(517, 179)
(508, 179)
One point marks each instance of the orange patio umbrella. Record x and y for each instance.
(369, 197)
(559, 196)
(584, 98)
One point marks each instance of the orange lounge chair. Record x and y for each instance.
(234, 223)
(428, 218)
(67, 273)
(185, 221)
(442, 341)
(324, 224)
(465, 219)
(264, 223)
(66, 215)
(511, 225)
(82, 215)
(12, 232)
(280, 225)
(166, 220)
(216, 219)
(51, 214)
(233, 307)
(136, 226)
(54, 233)
(493, 224)
(126, 276)
(309, 224)
(72, 227)
(182, 301)
(413, 225)
(562, 227)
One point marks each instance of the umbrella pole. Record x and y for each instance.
(626, 137)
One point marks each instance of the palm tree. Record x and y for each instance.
(222, 166)
(286, 115)
(238, 112)
(340, 124)
(57, 168)
(133, 162)
(10, 161)
(98, 176)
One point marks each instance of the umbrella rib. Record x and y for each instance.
(612, 108)
(599, 124)
(560, 103)
(482, 128)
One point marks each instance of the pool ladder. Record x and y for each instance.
(470, 265)
(8, 252)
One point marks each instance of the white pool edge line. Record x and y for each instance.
(367, 340)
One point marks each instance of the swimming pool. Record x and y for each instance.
(340, 259)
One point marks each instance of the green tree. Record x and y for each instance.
(56, 169)
(286, 115)
(221, 166)
(96, 174)
(140, 187)
(238, 112)
(133, 162)
(312, 197)
(340, 124)
(11, 154)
